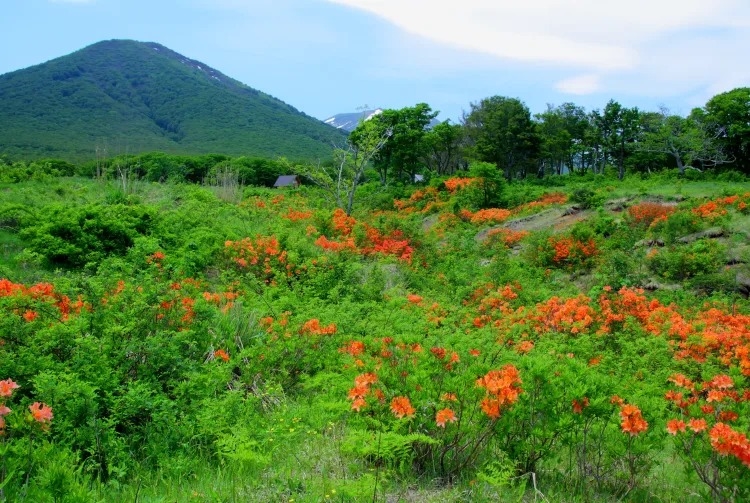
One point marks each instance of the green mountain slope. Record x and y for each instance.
(122, 96)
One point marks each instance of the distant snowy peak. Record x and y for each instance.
(349, 121)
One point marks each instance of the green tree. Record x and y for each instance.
(684, 139)
(727, 115)
(444, 144)
(562, 131)
(401, 155)
(502, 132)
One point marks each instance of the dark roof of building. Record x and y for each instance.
(286, 180)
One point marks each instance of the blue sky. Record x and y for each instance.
(331, 56)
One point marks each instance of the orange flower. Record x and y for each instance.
(30, 315)
(4, 411)
(491, 407)
(358, 403)
(525, 346)
(632, 420)
(445, 416)
(579, 405)
(365, 379)
(675, 425)
(413, 298)
(354, 348)
(41, 412)
(6, 388)
(401, 407)
(220, 353)
(721, 381)
(449, 397)
(697, 425)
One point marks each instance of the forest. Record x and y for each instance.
(556, 309)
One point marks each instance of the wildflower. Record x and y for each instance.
(354, 348)
(30, 315)
(358, 404)
(697, 425)
(578, 405)
(6, 388)
(220, 353)
(449, 397)
(4, 411)
(675, 425)
(42, 413)
(445, 416)
(721, 381)
(401, 407)
(632, 420)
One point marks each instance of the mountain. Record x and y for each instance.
(349, 120)
(123, 96)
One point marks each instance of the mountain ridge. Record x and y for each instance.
(131, 97)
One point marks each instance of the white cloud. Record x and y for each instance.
(592, 34)
(581, 84)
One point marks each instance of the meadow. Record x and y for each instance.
(587, 339)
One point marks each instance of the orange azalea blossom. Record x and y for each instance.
(726, 441)
(220, 353)
(649, 213)
(354, 348)
(30, 315)
(525, 346)
(445, 416)
(503, 388)
(675, 425)
(414, 299)
(453, 184)
(721, 381)
(632, 420)
(365, 379)
(401, 407)
(42, 413)
(313, 327)
(681, 381)
(449, 397)
(578, 406)
(698, 425)
(6, 388)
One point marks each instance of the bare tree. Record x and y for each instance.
(341, 179)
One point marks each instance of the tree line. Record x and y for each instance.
(562, 139)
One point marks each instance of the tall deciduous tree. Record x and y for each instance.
(563, 133)
(401, 156)
(502, 132)
(728, 116)
(444, 148)
(685, 139)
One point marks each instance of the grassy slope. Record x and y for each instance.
(310, 465)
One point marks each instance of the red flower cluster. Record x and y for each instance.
(632, 420)
(502, 389)
(313, 327)
(259, 255)
(456, 183)
(649, 213)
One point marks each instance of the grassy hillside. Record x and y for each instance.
(122, 96)
(586, 341)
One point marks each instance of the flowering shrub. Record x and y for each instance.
(261, 256)
(647, 214)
